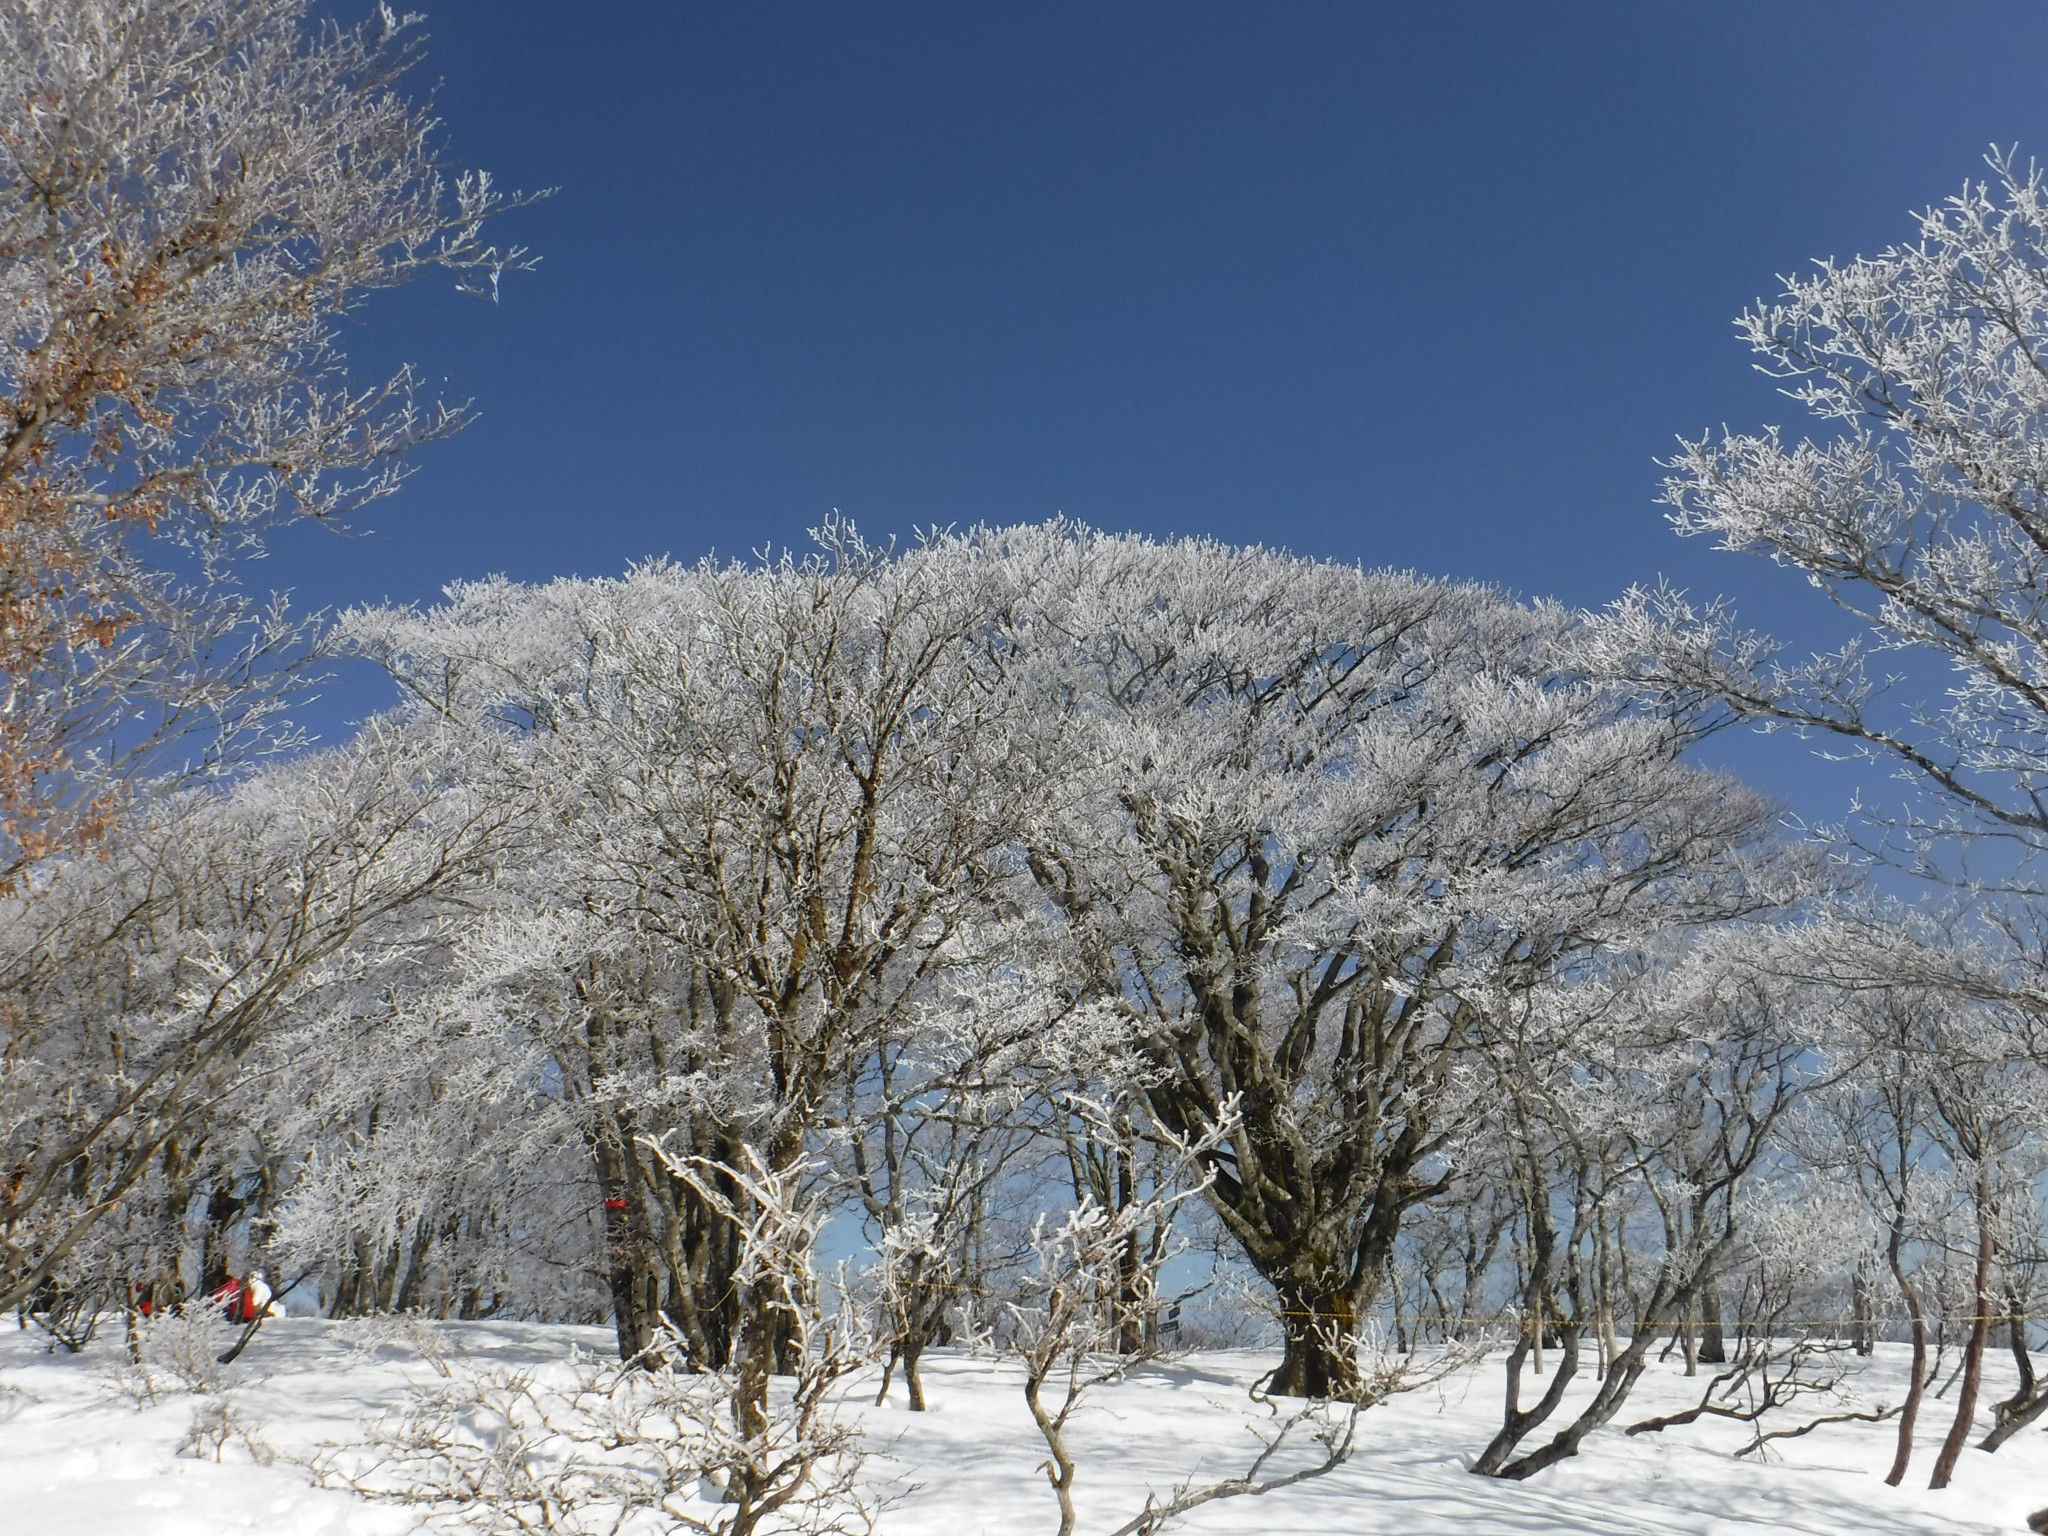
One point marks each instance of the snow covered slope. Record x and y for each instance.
(80, 1455)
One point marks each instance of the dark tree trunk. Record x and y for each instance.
(1319, 1358)
(1517, 1421)
(412, 1287)
(1130, 1308)
(702, 1257)
(1973, 1347)
(628, 1275)
(2028, 1401)
(1613, 1391)
(223, 1210)
(633, 1306)
(1916, 1380)
(1713, 1338)
(1671, 1297)
(913, 1379)
(2012, 1418)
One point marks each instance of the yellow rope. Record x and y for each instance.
(1466, 1320)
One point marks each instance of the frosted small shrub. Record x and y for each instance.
(404, 1334)
(595, 1449)
(218, 1423)
(173, 1352)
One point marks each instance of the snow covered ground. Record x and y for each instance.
(78, 1455)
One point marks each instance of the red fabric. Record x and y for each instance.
(236, 1297)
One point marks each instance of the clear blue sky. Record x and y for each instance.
(1424, 285)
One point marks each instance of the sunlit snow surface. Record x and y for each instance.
(77, 1456)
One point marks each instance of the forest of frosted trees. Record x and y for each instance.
(1040, 940)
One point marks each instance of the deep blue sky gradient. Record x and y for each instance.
(1427, 285)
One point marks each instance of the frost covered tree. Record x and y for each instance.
(1653, 1094)
(787, 796)
(1937, 1121)
(1327, 819)
(1923, 515)
(141, 987)
(408, 1160)
(938, 1131)
(193, 195)
(858, 862)
(1921, 511)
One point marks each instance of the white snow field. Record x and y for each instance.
(77, 1455)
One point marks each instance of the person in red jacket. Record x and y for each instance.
(243, 1301)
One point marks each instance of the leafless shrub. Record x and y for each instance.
(1071, 1328)
(69, 1317)
(402, 1333)
(217, 1424)
(1769, 1374)
(653, 1444)
(490, 1450)
(1331, 1426)
(173, 1352)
